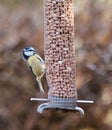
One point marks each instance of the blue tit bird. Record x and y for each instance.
(35, 63)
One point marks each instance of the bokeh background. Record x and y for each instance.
(21, 25)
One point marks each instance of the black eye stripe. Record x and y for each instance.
(30, 50)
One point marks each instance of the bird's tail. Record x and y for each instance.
(40, 86)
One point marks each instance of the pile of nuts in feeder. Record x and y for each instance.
(59, 48)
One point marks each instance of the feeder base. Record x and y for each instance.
(60, 103)
(44, 106)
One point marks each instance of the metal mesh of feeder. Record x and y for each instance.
(59, 48)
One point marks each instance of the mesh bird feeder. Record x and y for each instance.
(60, 56)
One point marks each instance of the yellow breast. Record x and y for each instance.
(36, 65)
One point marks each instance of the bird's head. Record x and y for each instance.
(27, 52)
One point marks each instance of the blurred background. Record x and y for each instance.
(21, 25)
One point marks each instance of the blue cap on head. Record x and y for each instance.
(27, 52)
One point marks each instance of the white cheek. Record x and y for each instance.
(28, 53)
